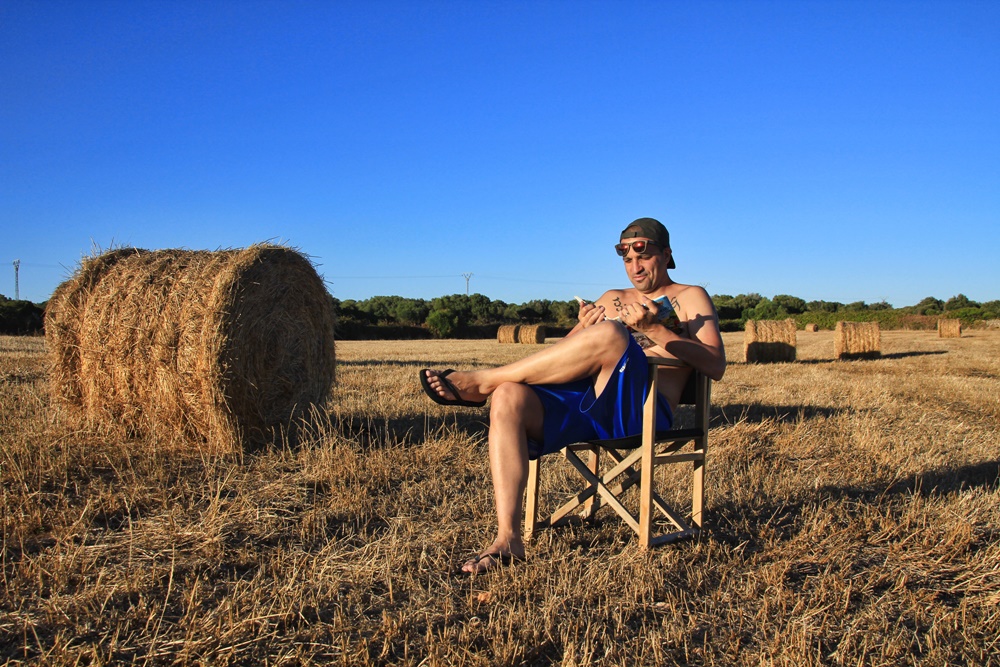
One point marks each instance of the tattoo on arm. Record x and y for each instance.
(682, 325)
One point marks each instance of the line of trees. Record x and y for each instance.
(461, 314)
(447, 316)
(734, 311)
(754, 306)
(475, 315)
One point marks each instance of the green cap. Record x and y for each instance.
(649, 228)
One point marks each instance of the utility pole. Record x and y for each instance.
(17, 291)
(467, 276)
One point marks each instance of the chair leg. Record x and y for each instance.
(593, 504)
(531, 500)
(646, 469)
(646, 503)
(698, 497)
(703, 416)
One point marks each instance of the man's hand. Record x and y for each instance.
(590, 314)
(640, 316)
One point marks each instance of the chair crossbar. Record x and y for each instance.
(634, 478)
(600, 485)
(635, 441)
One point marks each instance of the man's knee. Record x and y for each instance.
(510, 398)
(611, 337)
(517, 406)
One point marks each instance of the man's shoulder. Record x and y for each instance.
(696, 291)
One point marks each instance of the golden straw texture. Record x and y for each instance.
(857, 340)
(769, 341)
(227, 348)
(949, 328)
(507, 333)
(532, 334)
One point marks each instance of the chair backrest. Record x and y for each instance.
(696, 391)
(689, 394)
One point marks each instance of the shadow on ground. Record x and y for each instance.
(738, 524)
(756, 413)
(375, 433)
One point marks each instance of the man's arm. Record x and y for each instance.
(701, 347)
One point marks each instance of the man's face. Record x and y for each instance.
(647, 271)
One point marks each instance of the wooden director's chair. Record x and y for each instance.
(635, 460)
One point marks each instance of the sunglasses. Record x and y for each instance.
(638, 246)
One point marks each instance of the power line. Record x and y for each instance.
(386, 277)
(467, 276)
(537, 281)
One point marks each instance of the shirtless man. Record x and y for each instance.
(584, 387)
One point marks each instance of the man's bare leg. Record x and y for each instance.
(516, 414)
(592, 353)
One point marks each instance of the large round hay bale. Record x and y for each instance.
(228, 347)
(531, 334)
(812, 327)
(507, 333)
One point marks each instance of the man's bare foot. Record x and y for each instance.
(497, 555)
(451, 387)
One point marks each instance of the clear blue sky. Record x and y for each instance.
(830, 150)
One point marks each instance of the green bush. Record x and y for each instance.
(824, 306)
(732, 307)
(443, 323)
(927, 306)
(791, 305)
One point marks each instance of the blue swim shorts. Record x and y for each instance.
(573, 413)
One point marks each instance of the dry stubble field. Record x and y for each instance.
(854, 519)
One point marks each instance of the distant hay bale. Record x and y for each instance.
(769, 341)
(857, 340)
(531, 334)
(949, 328)
(993, 324)
(812, 327)
(521, 333)
(228, 347)
(507, 333)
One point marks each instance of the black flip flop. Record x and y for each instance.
(500, 560)
(441, 400)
